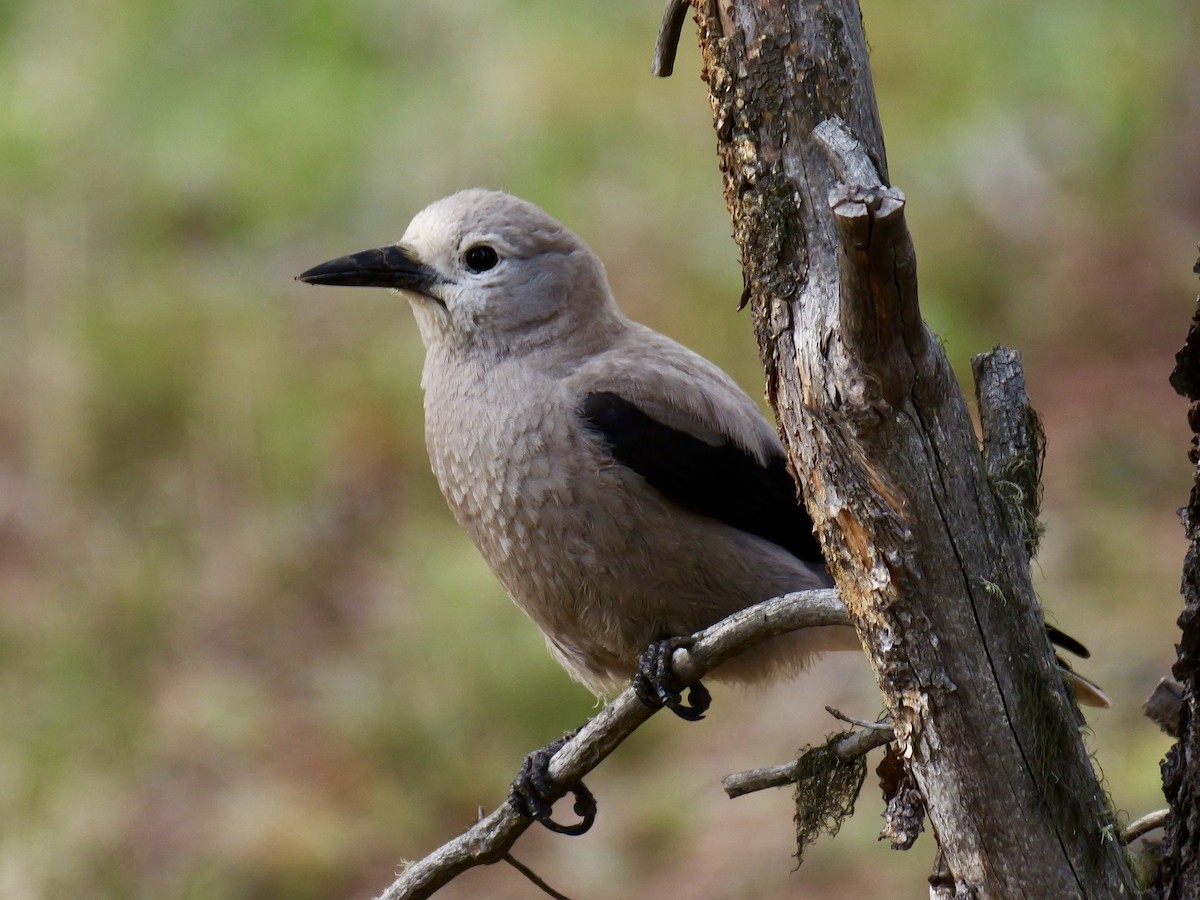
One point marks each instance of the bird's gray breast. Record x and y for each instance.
(505, 448)
(549, 510)
(598, 558)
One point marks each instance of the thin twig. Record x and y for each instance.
(1144, 825)
(881, 725)
(864, 742)
(533, 877)
(492, 837)
(853, 745)
(667, 44)
(738, 783)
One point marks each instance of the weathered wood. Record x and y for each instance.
(934, 576)
(1014, 444)
(1179, 872)
(1164, 706)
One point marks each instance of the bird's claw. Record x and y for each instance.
(656, 684)
(534, 792)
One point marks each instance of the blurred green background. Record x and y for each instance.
(244, 650)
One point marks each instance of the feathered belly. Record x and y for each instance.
(600, 563)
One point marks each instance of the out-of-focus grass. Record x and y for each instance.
(243, 649)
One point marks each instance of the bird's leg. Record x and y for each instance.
(656, 684)
(534, 792)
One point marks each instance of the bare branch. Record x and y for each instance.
(879, 313)
(492, 837)
(884, 725)
(862, 742)
(858, 743)
(534, 878)
(1143, 826)
(738, 784)
(668, 38)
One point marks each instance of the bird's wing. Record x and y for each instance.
(683, 425)
(721, 481)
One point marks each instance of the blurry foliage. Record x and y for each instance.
(243, 649)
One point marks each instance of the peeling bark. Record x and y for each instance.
(932, 571)
(1179, 872)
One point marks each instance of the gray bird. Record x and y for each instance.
(623, 488)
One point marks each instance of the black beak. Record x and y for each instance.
(388, 267)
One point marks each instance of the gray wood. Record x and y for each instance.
(1014, 445)
(934, 576)
(1178, 876)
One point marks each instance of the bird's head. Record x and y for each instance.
(485, 269)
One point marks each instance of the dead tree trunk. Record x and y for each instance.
(1179, 873)
(932, 570)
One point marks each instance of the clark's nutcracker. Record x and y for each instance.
(623, 489)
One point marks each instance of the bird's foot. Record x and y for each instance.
(534, 792)
(656, 684)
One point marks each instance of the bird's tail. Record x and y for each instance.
(1087, 693)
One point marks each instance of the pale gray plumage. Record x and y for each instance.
(576, 446)
(603, 562)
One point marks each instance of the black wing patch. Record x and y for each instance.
(725, 482)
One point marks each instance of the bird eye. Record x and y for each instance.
(480, 258)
